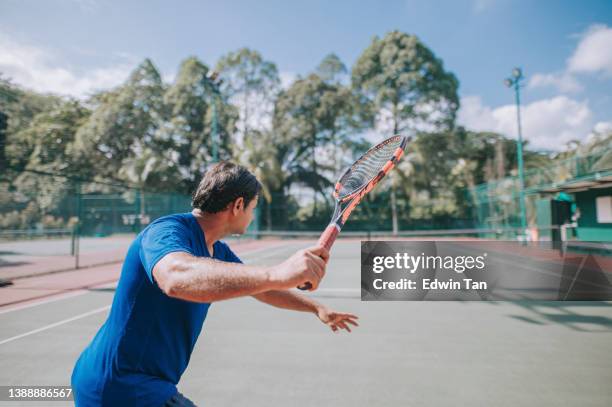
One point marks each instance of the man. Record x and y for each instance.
(173, 270)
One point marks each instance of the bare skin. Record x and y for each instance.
(181, 275)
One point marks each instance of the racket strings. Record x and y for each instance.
(368, 167)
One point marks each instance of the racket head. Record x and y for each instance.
(372, 166)
(357, 181)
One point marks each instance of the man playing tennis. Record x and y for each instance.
(173, 271)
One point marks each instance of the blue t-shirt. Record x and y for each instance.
(139, 354)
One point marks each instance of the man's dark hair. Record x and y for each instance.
(222, 184)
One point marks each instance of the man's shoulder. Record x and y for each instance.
(180, 221)
(175, 218)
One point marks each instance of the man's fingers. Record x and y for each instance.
(313, 279)
(342, 325)
(350, 321)
(320, 251)
(345, 315)
(317, 262)
(316, 265)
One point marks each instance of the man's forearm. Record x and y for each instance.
(289, 300)
(208, 280)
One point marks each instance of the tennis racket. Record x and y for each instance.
(357, 181)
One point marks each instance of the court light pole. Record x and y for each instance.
(514, 81)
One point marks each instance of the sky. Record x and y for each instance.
(75, 47)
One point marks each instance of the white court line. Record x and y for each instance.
(292, 246)
(62, 322)
(338, 290)
(62, 296)
(265, 249)
(106, 307)
(54, 297)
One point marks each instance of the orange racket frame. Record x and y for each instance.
(346, 204)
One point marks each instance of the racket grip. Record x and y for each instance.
(327, 239)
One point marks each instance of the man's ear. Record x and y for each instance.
(238, 205)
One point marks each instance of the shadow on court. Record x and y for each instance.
(565, 314)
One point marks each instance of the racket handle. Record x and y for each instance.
(327, 239)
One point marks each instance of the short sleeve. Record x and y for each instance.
(229, 255)
(161, 238)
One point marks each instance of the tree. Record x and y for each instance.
(251, 83)
(331, 69)
(408, 86)
(598, 145)
(20, 106)
(407, 83)
(3, 126)
(260, 155)
(309, 117)
(123, 122)
(51, 135)
(188, 130)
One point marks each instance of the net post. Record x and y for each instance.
(77, 228)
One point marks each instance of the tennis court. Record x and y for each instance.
(404, 353)
(467, 179)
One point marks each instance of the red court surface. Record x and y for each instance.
(47, 276)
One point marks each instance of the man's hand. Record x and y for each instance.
(336, 320)
(306, 265)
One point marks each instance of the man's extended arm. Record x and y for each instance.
(191, 278)
(289, 300)
(295, 301)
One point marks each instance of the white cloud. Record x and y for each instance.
(547, 124)
(603, 127)
(475, 116)
(563, 81)
(287, 78)
(594, 51)
(593, 54)
(42, 70)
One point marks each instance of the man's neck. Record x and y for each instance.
(212, 225)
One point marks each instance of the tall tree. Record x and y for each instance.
(331, 69)
(124, 121)
(407, 82)
(260, 155)
(251, 83)
(409, 87)
(20, 106)
(52, 135)
(3, 126)
(188, 131)
(307, 117)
